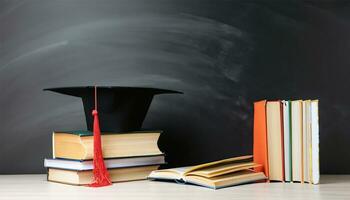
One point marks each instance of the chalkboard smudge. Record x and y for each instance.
(35, 51)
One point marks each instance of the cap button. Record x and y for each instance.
(94, 112)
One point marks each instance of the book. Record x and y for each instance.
(315, 163)
(308, 137)
(275, 140)
(260, 137)
(74, 177)
(297, 140)
(110, 163)
(287, 141)
(215, 175)
(307, 170)
(78, 145)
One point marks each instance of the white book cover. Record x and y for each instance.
(110, 163)
(297, 130)
(287, 141)
(315, 142)
(307, 140)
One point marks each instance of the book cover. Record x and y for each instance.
(260, 137)
(274, 119)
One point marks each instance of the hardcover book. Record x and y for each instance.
(74, 177)
(275, 140)
(78, 145)
(110, 163)
(260, 137)
(287, 140)
(297, 140)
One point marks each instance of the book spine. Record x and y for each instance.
(287, 139)
(301, 142)
(315, 142)
(282, 141)
(290, 140)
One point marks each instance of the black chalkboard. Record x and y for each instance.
(223, 54)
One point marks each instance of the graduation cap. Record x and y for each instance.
(121, 109)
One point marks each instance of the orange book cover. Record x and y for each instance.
(260, 137)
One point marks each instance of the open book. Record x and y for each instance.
(218, 174)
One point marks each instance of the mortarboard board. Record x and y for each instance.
(121, 109)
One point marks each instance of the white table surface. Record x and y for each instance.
(12, 187)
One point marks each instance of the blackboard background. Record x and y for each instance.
(223, 54)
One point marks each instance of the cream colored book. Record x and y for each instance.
(78, 145)
(218, 174)
(274, 140)
(297, 140)
(307, 141)
(73, 177)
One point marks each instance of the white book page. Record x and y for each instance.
(181, 170)
(173, 173)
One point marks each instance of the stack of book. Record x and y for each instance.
(128, 156)
(286, 140)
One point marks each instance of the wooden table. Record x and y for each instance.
(13, 187)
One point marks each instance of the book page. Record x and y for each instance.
(173, 173)
(180, 170)
(241, 158)
(217, 170)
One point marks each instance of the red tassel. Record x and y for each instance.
(101, 176)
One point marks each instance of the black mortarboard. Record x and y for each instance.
(121, 109)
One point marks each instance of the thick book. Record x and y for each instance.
(73, 177)
(78, 145)
(110, 163)
(287, 141)
(215, 175)
(275, 148)
(260, 137)
(297, 141)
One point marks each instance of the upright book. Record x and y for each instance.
(307, 170)
(275, 140)
(315, 163)
(297, 140)
(287, 140)
(260, 137)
